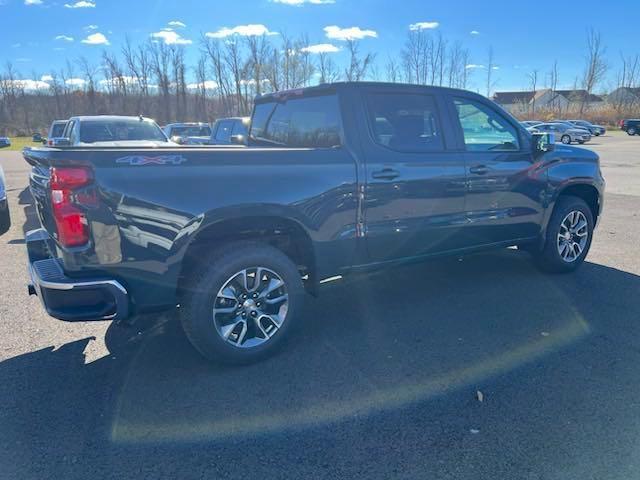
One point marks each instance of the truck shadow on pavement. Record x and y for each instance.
(388, 357)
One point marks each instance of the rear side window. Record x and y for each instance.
(57, 130)
(239, 128)
(484, 129)
(223, 133)
(311, 122)
(405, 122)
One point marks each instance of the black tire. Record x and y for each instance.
(548, 258)
(566, 139)
(581, 142)
(199, 294)
(631, 131)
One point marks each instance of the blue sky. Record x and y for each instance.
(38, 36)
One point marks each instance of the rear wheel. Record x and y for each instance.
(568, 236)
(240, 305)
(566, 139)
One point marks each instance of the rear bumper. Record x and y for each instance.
(71, 299)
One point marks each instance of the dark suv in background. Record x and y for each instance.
(631, 126)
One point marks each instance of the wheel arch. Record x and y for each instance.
(280, 231)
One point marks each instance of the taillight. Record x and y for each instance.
(71, 222)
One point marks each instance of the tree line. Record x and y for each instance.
(154, 79)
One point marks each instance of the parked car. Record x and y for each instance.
(56, 130)
(228, 131)
(5, 142)
(113, 131)
(596, 130)
(336, 179)
(631, 126)
(530, 123)
(188, 133)
(5, 216)
(564, 133)
(36, 137)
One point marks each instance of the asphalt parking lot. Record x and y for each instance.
(380, 381)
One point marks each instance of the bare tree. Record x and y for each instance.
(595, 66)
(358, 65)
(490, 84)
(533, 85)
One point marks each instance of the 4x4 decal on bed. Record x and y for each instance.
(140, 160)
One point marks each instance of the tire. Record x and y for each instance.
(550, 259)
(631, 131)
(581, 142)
(202, 294)
(566, 139)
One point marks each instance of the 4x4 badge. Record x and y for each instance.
(140, 160)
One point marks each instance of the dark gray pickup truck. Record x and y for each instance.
(336, 179)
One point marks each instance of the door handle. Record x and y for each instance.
(386, 174)
(479, 170)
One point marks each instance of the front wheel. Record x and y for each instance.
(240, 304)
(566, 139)
(568, 236)
(631, 131)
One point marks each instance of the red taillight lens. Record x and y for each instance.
(71, 223)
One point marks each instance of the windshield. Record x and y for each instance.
(119, 130)
(191, 131)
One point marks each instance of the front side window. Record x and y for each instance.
(484, 129)
(311, 122)
(406, 123)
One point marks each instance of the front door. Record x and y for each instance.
(415, 183)
(504, 195)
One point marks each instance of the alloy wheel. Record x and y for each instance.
(573, 236)
(250, 307)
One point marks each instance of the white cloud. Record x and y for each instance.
(495, 67)
(65, 38)
(472, 66)
(298, 3)
(81, 4)
(474, 32)
(207, 84)
(16, 45)
(352, 33)
(33, 2)
(424, 26)
(90, 28)
(96, 39)
(46, 78)
(110, 82)
(75, 82)
(321, 48)
(177, 24)
(27, 84)
(169, 37)
(253, 30)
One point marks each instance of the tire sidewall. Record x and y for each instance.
(564, 138)
(200, 309)
(563, 208)
(631, 131)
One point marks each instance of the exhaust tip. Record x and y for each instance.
(31, 289)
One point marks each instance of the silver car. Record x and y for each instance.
(596, 130)
(563, 132)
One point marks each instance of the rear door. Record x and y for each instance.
(415, 177)
(504, 196)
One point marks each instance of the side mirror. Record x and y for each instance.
(178, 139)
(544, 142)
(238, 139)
